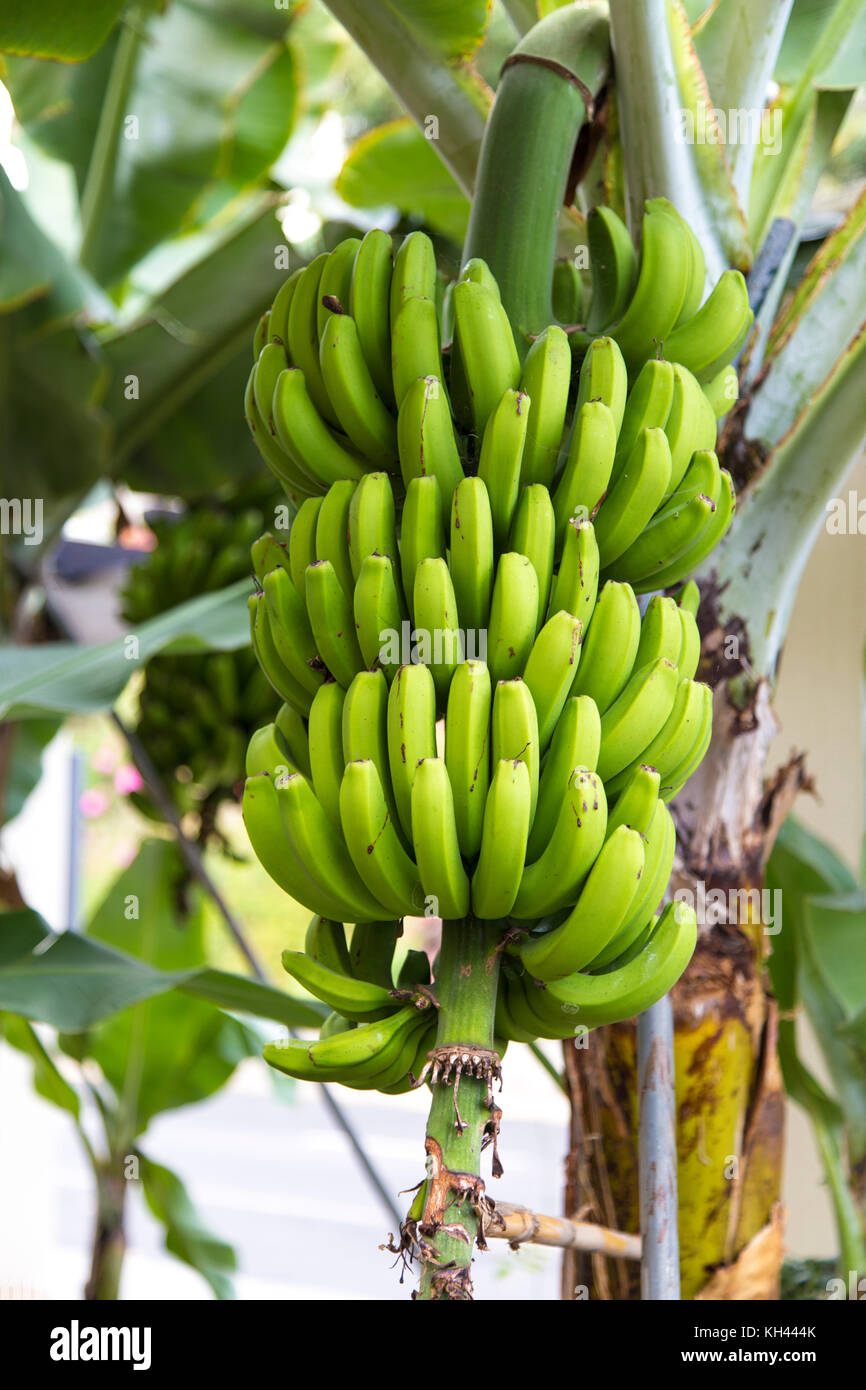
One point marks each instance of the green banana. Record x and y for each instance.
(690, 425)
(414, 273)
(604, 378)
(471, 559)
(415, 347)
(663, 280)
(437, 624)
(598, 914)
(467, 750)
(325, 942)
(722, 391)
(532, 534)
(513, 616)
(576, 742)
(373, 843)
(610, 647)
(648, 407)
(304, 434)
(332, 538)
(488, 355)
(293, 731)
(705, 542)
(303, 330)
(675, 740)
(378, 614)
(634, 497)
(661, 840)
(500, 460)
(434, 836)
(422, 533)
(291, 632)
(326, 747)
(280, 679)
(372, 951)
(676, 527)
(612, 265)
(715, 334)
(411, 733)
(267, 752)
(599, 999)
(550, 670)
(335, 284)
(425, 438)
(357, 1000)
(273, 849)
(546, 379)
(566, 294)
(505, 829)
(575, 587)
(636, 801)
(661, 632)
(267, 553)
(333, 622)
(302, 542)
(636, 716)
(588, 467)
(552, 881)
(369, 300)
(689, 655)
(322, 851)
(278, 318)
(362, 414)
(514, 731)
(372, 525)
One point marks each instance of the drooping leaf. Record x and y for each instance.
(29, 741)
(56, 29)
(395, 165)
(74, 983)
(66, 677)
(224, 117)
(20, 932)
(186, 1236)
(47, 1080)
(245, 996)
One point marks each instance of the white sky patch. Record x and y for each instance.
(11, 157)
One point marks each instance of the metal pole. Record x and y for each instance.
(657, 1159)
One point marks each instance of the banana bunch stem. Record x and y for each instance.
(545, 94)
(463, 1116)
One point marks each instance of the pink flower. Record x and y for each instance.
(127, 779)
(105, 759)
(93, 803)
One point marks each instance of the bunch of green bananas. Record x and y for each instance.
(500, 518)
(382, 1023)
(197, 712)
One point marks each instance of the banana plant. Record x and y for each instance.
(144, 1030)
(661, 120)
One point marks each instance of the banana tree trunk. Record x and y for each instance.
(729, 1098)
(109, 1237)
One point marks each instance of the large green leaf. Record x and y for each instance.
(67, 677)
(394, 164)
(74, 983)
(825, 44)
(186, 1237)
(24, 768)
(56, 28)
(31, 266)
(195, 327)
(171, 1050)
(20, 932)
(148, 131)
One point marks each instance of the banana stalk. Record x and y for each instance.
(463, 1117)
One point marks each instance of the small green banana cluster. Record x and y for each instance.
(473, 528)
(197, 711)
(382, 1022)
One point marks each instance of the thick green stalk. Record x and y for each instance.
(460, 1113)
(544, 96)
